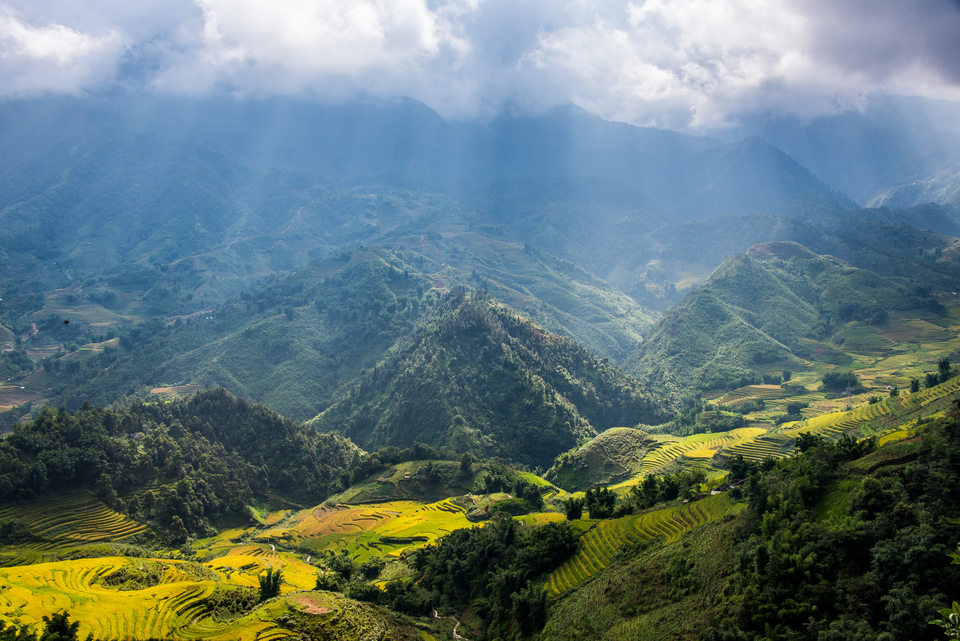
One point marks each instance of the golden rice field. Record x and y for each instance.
(370, 530)
(752, 392)
(33, 591)
(604, 540)
(759, 449)
(77, 517)
(698, 447)
(174, 605)
(914, 331)
(836, 423)
(174, 608)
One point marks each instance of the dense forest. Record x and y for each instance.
(846, 543)
(478, 377)
(188, 462)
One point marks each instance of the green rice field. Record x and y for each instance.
(606, 538)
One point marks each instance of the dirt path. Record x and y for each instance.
(455, 635)
(296, 218)
(212, 252)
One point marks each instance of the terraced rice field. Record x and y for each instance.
(751, 392)
(758, 449)
(371, 530)
(174, 608)
(173, 393)
(670, 451)
(923, 397)
(834, 424)
(914, 331)
(601, 544)
(700, 454)
(696, 449)
(37, 590)
(63, 303)
(242, 566)
(862, 338)
(78, 517)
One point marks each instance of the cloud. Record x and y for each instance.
(696, 62)
(52, 58)
(670, 63)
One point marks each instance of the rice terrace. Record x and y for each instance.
(74, 553)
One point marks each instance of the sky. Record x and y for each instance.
(678, 64)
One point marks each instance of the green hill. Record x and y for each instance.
(479, 377)
(612, 456)
(623, 237)
(813, 541)
(293, 343)
(763, 310)
(198, 460)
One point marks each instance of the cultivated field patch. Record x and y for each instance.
(605, 539)
(77, 517)
(177, 391)
(371, 530)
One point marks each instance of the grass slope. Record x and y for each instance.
(767, 309)
(612, 456)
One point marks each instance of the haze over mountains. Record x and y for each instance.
(121, 208)
(439, 309)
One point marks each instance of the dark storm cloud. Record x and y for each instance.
(673, 63)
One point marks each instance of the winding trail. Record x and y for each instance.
(455, 635)
(296, 218)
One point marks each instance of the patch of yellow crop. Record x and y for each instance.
(370, 530)
(541, 518)
(893, 436)
(243, 564)
(275, 517)
(702, 454)
(74, 517)
(914, 330)
(34, 591)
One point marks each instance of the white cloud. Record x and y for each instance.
(53, 57)
(697, 62)
(296, 45)
(674, 63)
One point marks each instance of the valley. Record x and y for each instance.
(389, 376)
(91, 559)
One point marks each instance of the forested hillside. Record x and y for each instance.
(480, 378)
(293, 343)
(191, 463)
(843, 541)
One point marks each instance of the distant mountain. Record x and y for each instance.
(293, 343)
(893, 243)
(90, 185)
(484, 379)
(893, 151)
(942, 186)
(619, 235)
(761, 310)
